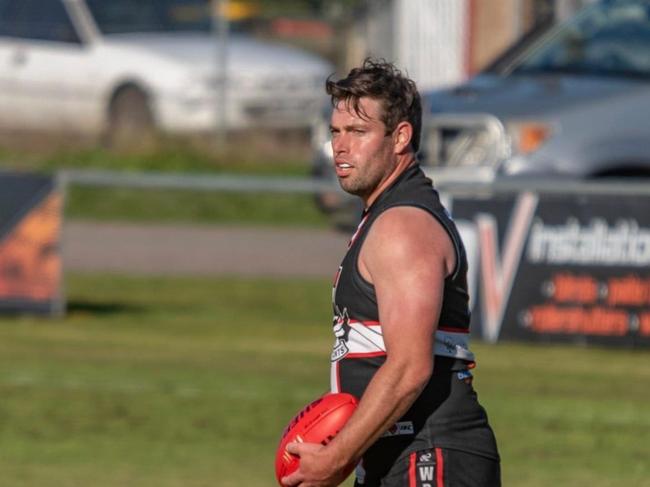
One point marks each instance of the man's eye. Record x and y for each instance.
(359, 131)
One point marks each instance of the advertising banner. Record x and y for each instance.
(30, 233)
(558, 267)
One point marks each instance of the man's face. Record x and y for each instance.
(363, 151)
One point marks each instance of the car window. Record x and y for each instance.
(610, 38)
(124, 16)
(45, 20)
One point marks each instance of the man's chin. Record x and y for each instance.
(349, 186)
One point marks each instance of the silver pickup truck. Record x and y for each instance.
(570, 102)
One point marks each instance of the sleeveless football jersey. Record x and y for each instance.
(441, 416)
(359, 349)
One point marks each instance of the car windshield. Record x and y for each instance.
(611, 38)
(126, 16)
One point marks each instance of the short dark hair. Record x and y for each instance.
(381, 80)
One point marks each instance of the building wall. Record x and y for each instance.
(430, 40)
(493, 28)
(497, 24)
(443, 42)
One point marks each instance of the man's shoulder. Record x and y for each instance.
(407, 220)
(408, 226)
(408, 234)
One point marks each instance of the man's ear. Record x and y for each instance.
(402, 136)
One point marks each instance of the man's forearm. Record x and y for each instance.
(390, 393)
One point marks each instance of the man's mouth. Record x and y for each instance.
(343, 168)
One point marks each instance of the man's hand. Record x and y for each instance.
(317, 467)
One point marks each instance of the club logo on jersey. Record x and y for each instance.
(400, 428)
(341, 328)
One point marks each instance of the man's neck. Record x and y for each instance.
(403, 163)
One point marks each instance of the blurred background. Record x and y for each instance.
(170, 224)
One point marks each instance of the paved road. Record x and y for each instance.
(201, 250)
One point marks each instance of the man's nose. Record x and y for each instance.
(339, 144)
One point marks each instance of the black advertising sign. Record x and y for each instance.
(30, 256)
(558, 267)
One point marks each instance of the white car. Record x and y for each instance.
(105, 66)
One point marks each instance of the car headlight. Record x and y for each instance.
(527, 137)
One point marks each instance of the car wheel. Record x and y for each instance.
(130, 121)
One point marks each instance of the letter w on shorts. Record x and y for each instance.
(438, 467)
(426, 468)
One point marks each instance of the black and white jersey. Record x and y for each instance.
(359, 346)
(447, 413)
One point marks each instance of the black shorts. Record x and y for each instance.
(438, 467)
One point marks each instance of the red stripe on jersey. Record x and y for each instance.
(448, 329)
(356, 233)
(338, 377)
(364, 323)
(365, 355)
(412, 470)
(453, 330)
(440, 469)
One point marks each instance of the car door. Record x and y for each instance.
(10, 56)
(44, 73)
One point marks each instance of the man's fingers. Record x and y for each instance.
(298, 449)
(294, 448)
(291, 480)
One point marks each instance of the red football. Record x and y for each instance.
(318, 422)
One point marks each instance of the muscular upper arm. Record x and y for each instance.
(406, 256)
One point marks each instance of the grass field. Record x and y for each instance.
(245, 154)
(202, 207)
(187, 382)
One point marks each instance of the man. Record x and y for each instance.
(401, 309)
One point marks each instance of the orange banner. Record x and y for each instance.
(30, 255)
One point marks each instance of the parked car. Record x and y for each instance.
(572, 102)
(124, 66)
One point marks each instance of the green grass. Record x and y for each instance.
(136, 205)
(187, 382)
(258, 156)
(569, 416)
